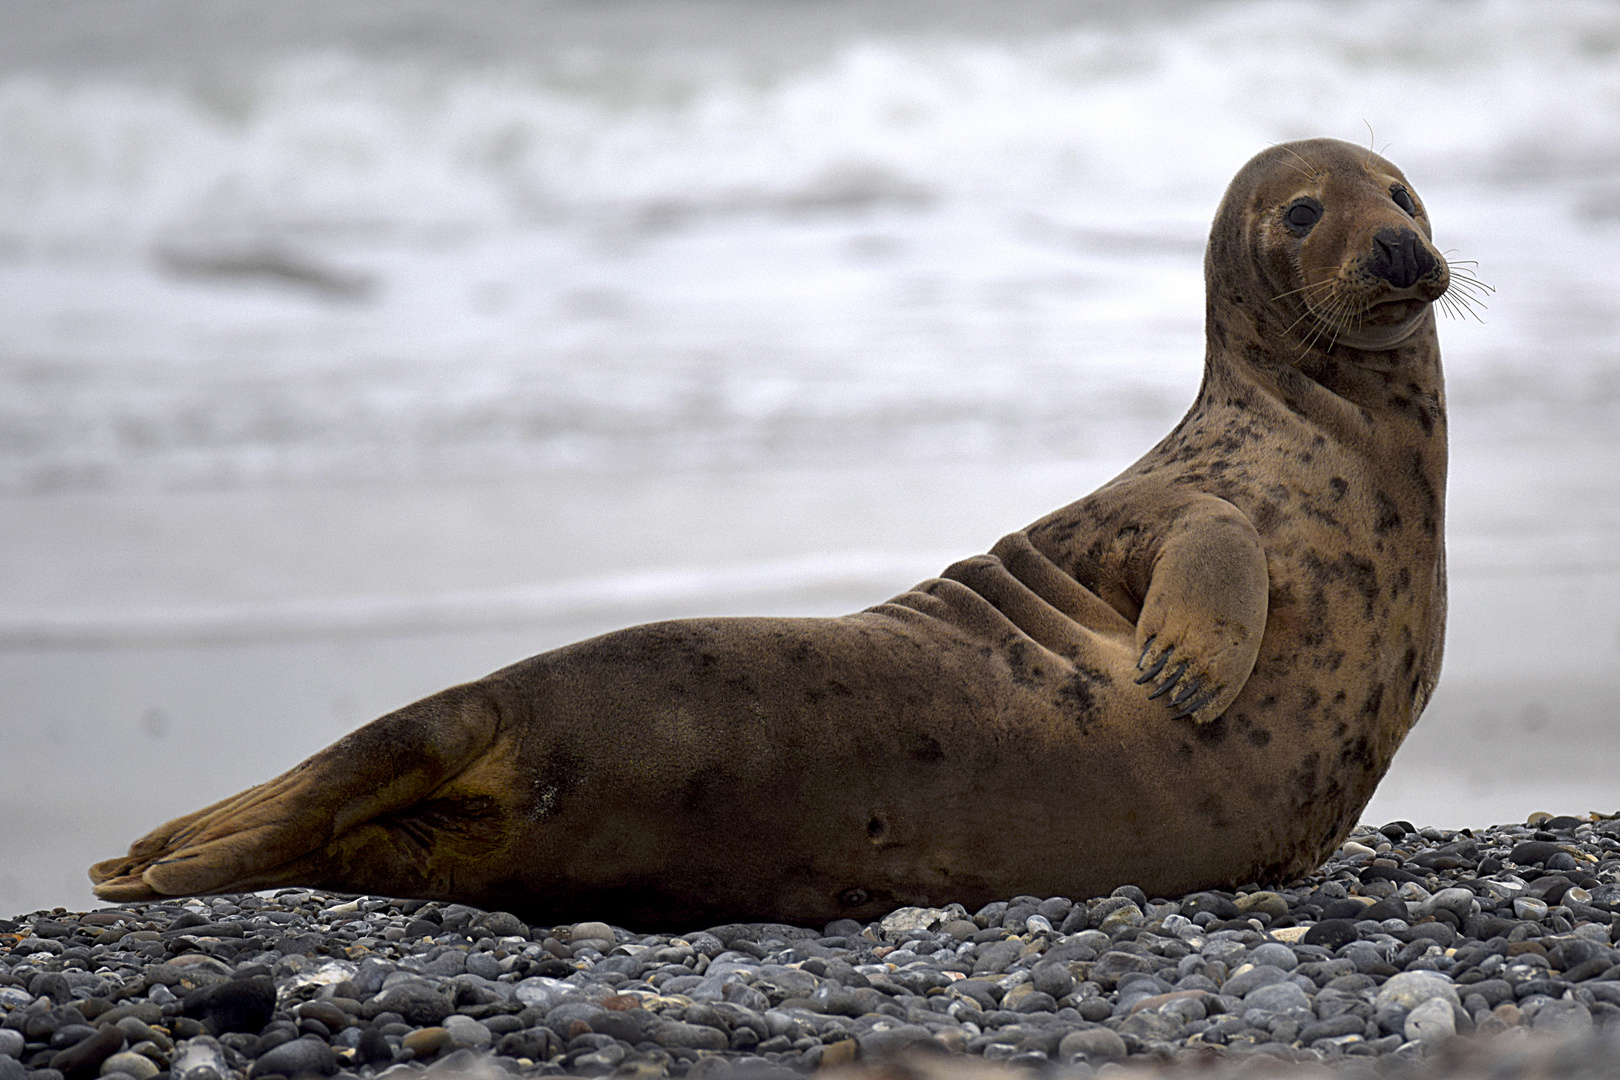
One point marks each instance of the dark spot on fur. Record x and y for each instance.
(1213, 810)
(1076, 700)
(1259, 736)
(1339, 485)
(708, 792)
(852, 897)
(1374, 703)
(927, 750)
(875, 828)
(1213, 733)
(1358, 752)
(1389, 518)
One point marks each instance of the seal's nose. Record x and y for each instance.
(1400, 257)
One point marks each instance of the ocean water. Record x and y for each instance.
(349, 350)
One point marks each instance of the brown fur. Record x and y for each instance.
(990, 732)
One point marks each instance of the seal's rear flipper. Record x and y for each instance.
(274, 833)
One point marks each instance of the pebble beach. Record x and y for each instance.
(1404, 944)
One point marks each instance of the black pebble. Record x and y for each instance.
(1387, 908)
(306, 1055)
(1487, 867)
(1214, 903)
(52, 984)
(1332, 933)
(1343, 909)
(84, 1060)
(239, 1005)
(1534, 852)
(1397, 830)
(374, 1048)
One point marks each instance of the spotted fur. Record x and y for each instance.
(1193, 677)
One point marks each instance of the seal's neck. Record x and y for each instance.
(1351, 393)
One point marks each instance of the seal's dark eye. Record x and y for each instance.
(1403, 199)
(1302, 216)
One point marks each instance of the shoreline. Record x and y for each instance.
(1403, 941)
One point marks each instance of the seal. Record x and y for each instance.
(1192, 678)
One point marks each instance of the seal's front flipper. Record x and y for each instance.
(268, 834)
(1204, 613)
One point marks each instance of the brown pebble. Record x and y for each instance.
(621, 1002)
(427, 1041)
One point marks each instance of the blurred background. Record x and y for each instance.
(350, 349)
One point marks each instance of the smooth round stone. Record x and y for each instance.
(499, 924)
(1409, 989)
(417, 1002)
(244, 1005)
(333, 1017)
(484, 965)
(1332, 934)
(52, 984)
(88, 1054)
(11, 1042)
(591, 931)
(468, 1032)
(1263, 903)
(679, 1034)
(1280, 997)
(139, 1066)
(1035, 1001)
(373, 1047)
(428, 1041)
(1563, 1018)
(1052, 978)
(306, 1055)
(1092, 1044)
(1530, 909)
(1457, 901)
(1534, 852)
(1431, 1022)
(12, 1069)
(448, 964)
(1239, 984)
(1276, 954)
(900, 920)
(69, 1034)
(1121, 917)
(877, 1045)
(598, 1062)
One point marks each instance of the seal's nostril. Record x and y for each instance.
(1400, 257)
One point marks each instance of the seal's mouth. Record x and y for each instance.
(1385, 324)
(1394, 312)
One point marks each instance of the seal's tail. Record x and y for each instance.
(317, 823)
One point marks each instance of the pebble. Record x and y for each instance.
(130, 1064)
(1404, 939)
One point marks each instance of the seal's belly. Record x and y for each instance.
(877, 759)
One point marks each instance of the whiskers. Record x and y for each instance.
(1328, 304)
(1465, 292)
(1335, 309)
